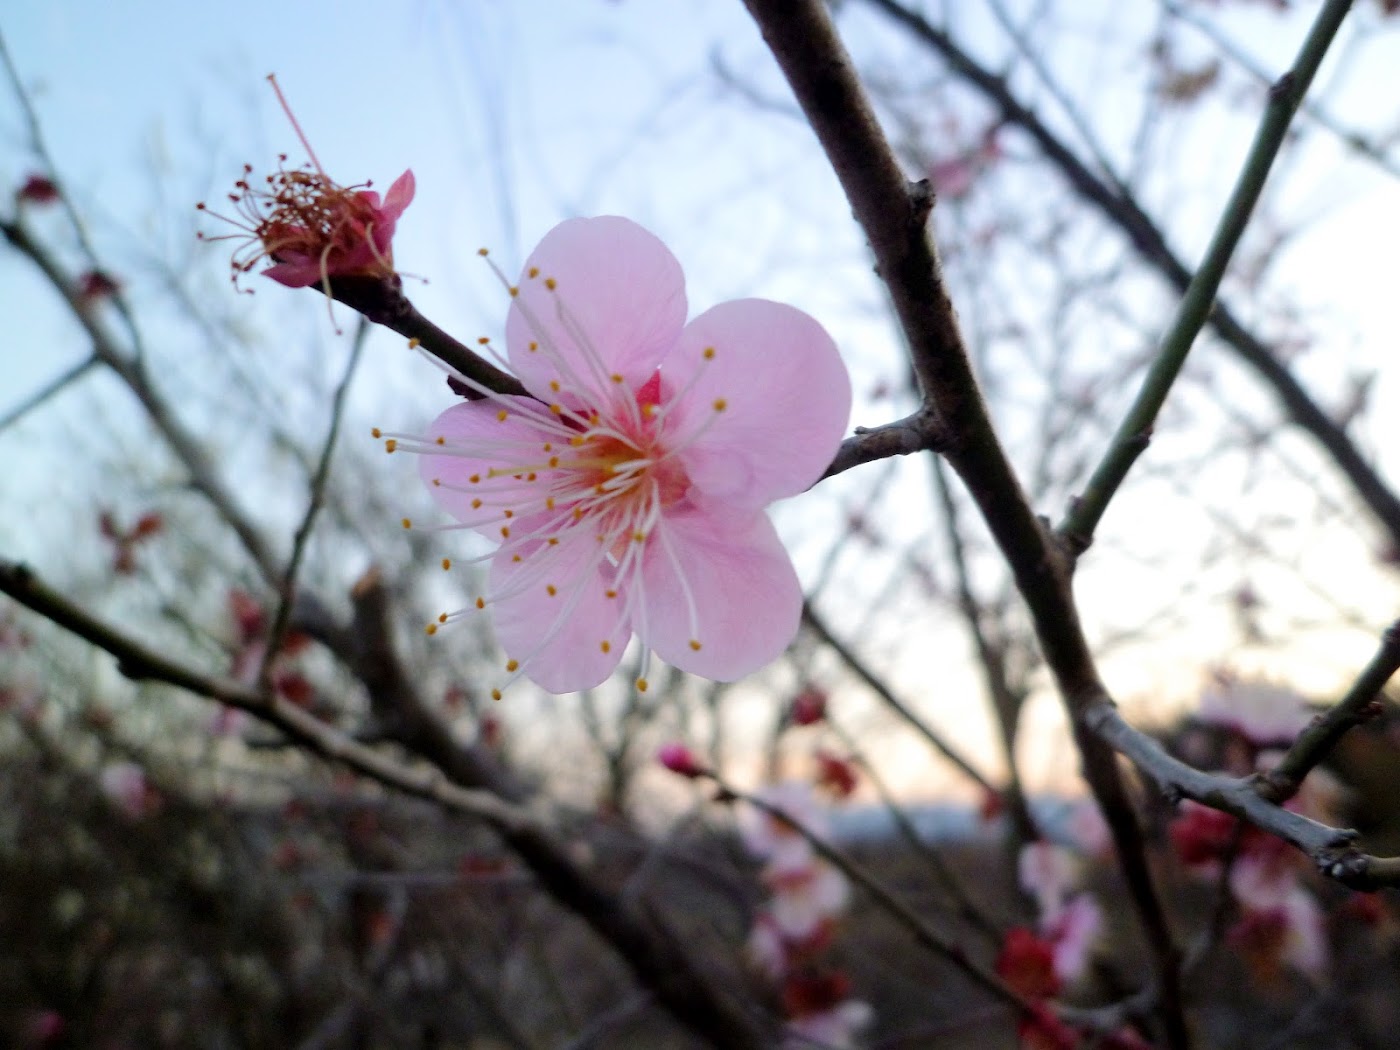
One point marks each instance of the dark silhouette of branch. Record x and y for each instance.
(1115, 202)
(1316, 741)
(656, 956)
(894, 216)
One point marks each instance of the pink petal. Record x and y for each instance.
(617, 286)
(746, 596)
(786, 398)
(559, 638)
(295, 273)
(399, 197)
(477, 425)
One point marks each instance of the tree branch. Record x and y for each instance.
(656, 957)
(893, 214)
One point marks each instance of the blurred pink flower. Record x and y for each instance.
(835, 1028)
(769, 837)
(1281, 920)
(1262, 713)
(628, 493)
(125, 784)
(1073, 934)
(1047, 872)
(805, 897)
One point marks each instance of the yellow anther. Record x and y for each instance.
(638, 536)
(514, 291)
(509, 513)
(709, 354)
(390, 445)
(641, 685)
(512, 666)
(605, 645)
(376, 432)
(482, 252)
(437, 482)
(515, 557)
(553, 462)
(610, 593)
(534, 346)
(695, 645)
(721, 404)
(446, 564)
(533, 272)
(442, 617)
(430, 629)
(576, 441)
(549, 503)
(415, 343)
(551, 590)
(474, 478)
(483, 340)
(616, 378)
(476, 504)
(578, 514)
(553, 541)
(554, 385)
(648, 410)
(505, 532)
(441, 440)
(481, 603)
(408, 523)
(550, 283)
(530, 476)
(495, 694)
(502, 416)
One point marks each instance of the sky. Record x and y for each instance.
(515, 115)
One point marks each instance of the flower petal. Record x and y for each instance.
(493, 442)
(785, 398)
(399, 197)
(295, 272)
(617, 306)
(567, 640)
(740, 583)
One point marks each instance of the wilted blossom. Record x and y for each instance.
(628, 493)
(310, 227)
(37, 189)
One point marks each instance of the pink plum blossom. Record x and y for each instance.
(628, 492)
(834, 1028)
(1047, 872)
(1262, 713)
(1074, 933)
(806, 898)
(310, 227)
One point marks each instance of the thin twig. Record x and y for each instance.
(883, 691)
(47, 391)
(931, 938)
(41, 150)
(1134, 432)
(1352, 139)
(1283, 781)
(893, 215)
(314, 503)
(656, 957)
(1119, 207)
